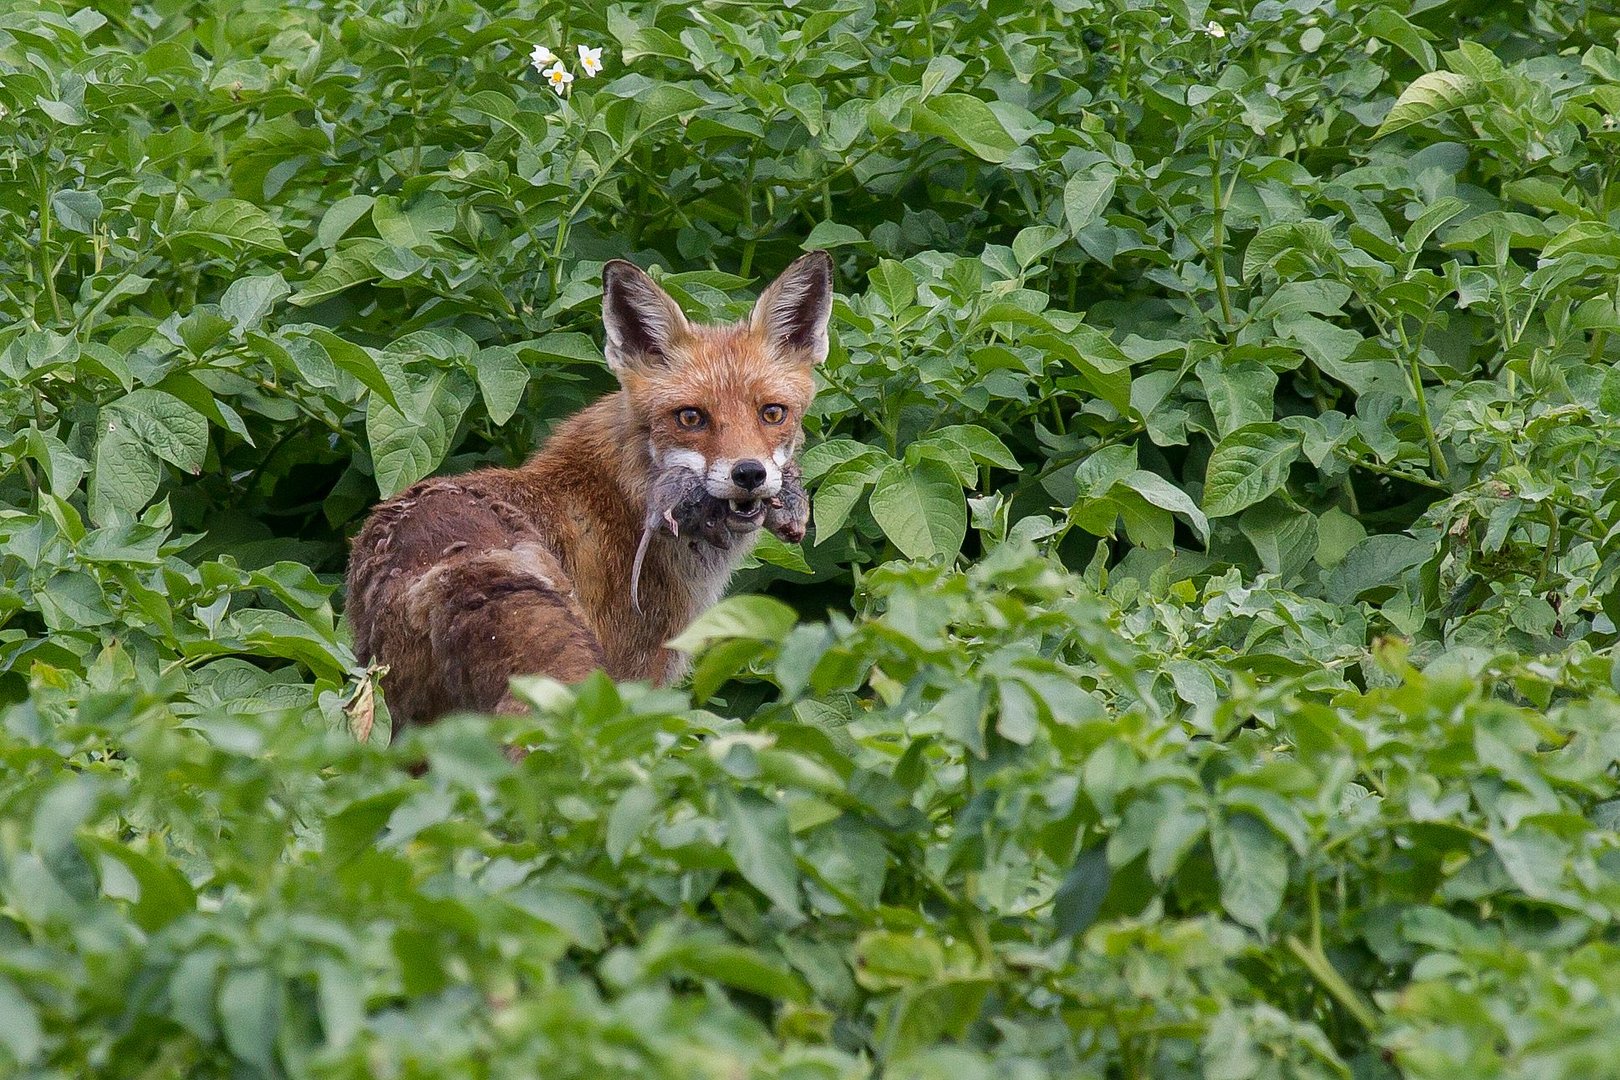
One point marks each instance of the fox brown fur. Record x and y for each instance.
(458, 583)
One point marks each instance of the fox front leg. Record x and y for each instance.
(788, 514)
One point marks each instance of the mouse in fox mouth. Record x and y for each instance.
(679, 505)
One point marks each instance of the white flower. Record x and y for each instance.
(541, 57)
(590, 61)
(1215, 29)
(559, 77)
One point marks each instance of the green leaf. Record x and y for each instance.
(1086, 195)
(352, 263)
(830, 234)
(231, 226)
(1247, 466)
(170, 428)
(1252, 864)
(418, 226)
(775, 552)
(1336, 533)
(665, 101)
(76, 211)
(1032, 243)
(125, 474)
(341, 993)
(340, 217)
(563, 910)
(1376, 562)
(193, 991)
(72, 599)
(1102, 365)
(1312, 239)
(1240, 392)
(892, 283)
(248, 300)
(1162, 493)
(1283, 536)
(1433, 94)
(21, 1032)
(929, 1014)
(888, 960)
(1079, 898)
(250, 1015)
(359, 362)
(61, 112)
(840, 491)
(1018, 716)
(502, 378)
(1418, 233)
(966, 121)
(1100, 470)
(1584, 237)
(921, 508)
(960, 713)
(1178, 828)
(1328, 345)
(737, 966)
(759, 842)
(63, 469)
(406, 446)
(495, 106)
(977, 442)
(751, 618)
(164, 894)
(1387, 24)
(629, 820)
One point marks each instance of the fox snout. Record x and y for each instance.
(748, 474)
(729, 478)
(743, 478)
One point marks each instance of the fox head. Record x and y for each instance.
(726, 402)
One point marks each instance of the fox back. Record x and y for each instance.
(626, 524)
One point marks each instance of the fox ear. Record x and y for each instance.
(642, 321)
(793, 311)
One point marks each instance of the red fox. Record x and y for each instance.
(626, 524)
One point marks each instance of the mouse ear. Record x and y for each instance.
(793, 311)
(643, 322)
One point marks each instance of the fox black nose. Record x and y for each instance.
(748, 474)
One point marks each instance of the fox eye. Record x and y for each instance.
(689, 418)
(773, 414)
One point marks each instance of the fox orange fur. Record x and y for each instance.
(458, 583)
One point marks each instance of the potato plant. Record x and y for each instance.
(1203, 660)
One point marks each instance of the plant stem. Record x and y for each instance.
(1127, 1048)
(1551, 516)
(409, 56)
(1414, 375)
(1437, 458)
(750, 236)
(1328, 977)
(1218, 235)
(1393, 474)
(45, 246)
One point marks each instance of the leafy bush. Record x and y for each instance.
(1203, 664)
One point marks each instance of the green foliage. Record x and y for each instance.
(1203, 663)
